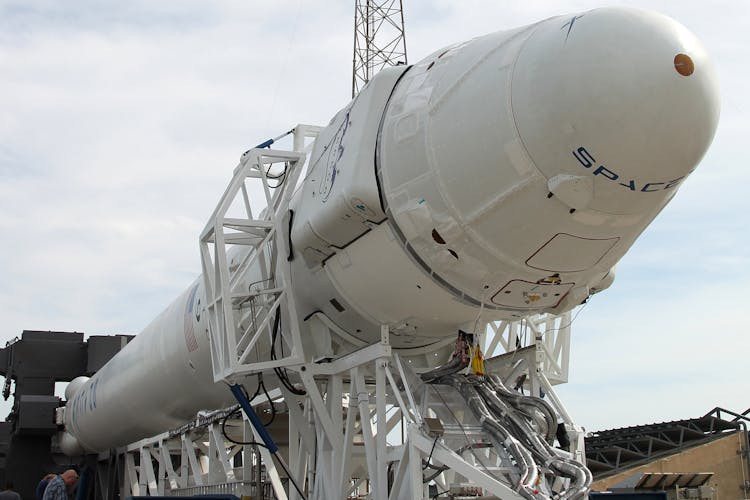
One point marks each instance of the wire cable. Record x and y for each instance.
(427, 463)
(226, 436)
(239, 410)
(270, 401)
(280, 372)
(572, 319)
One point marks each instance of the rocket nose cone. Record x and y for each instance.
(625, 96)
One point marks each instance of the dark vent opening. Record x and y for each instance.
(436, 236)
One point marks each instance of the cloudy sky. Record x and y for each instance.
(121, 122)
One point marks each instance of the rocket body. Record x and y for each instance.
(512, 171)
(508, 173)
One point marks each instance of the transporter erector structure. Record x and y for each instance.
(495, 180)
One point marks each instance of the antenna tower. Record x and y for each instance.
(379, 39)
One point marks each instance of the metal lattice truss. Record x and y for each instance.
(536, 352)
(379, 39)
(549, 334)
(240, 315)
(197, 459)
(350, 440)
(365, 416)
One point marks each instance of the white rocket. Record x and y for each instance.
(510, 172)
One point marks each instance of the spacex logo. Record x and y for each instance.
(587, 160)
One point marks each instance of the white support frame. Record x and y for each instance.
(339, 430)
(338, 435)
(550, 335)
(537, 347)
(257, 244)
(334, 458)
(205, 463)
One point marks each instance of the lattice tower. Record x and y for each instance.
(379, 39)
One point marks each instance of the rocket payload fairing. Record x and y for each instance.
(508, 173)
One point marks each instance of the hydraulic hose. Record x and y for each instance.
(509, 419)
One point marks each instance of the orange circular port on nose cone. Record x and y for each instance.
(683, 64)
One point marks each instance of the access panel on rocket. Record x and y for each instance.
(508, 173)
